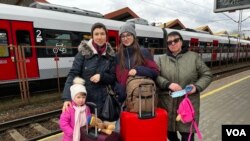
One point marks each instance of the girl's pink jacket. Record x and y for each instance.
(67, 122)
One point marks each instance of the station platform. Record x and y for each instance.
(225, 101)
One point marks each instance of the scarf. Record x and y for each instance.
(80, 120)
(99, 49)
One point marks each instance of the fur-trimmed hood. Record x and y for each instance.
(87, 49)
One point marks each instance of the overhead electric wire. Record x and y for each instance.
(177, 11)
(169, 8)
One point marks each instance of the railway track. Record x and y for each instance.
(31, 128)
(224, 71)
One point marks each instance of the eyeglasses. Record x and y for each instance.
(175, 41)
(128, 35)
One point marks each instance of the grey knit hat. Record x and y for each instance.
(127, 27)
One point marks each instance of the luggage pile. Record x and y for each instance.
(142, 121)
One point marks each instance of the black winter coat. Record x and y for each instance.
(88, 63)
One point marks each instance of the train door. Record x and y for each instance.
(113, 39)
(194, 44)
(214, 50)
(7, 65)
(19, 34)
(24, 36)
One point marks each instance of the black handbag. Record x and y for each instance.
(111, 108)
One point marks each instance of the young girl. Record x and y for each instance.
(76, 116)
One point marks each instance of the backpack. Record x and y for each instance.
(186, 114)
(144, 85)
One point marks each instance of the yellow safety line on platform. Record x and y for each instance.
(48, 138)
(223, 87)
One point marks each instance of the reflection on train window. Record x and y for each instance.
(58, 43)
(154, 44)
(23, 40)
(4, 51)
(140, 41)
(202, 47)
(151, 43)
(112, 41)
(86, 36)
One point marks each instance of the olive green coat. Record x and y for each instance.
(184, 69)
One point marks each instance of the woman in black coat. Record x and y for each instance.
(95, 64)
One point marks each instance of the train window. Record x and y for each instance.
(145, 43)
(221, 45)
(59, 42)
(141, 41)
(154, 44)
(186, 43)
(202, 47)
(86, 36)
(23, 40)
(209, 47)
(112, 41)
(4, 51)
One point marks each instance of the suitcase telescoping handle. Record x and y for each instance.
(146, 115)
(92, 104)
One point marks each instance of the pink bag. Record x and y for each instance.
(186, 110)
(186, 114)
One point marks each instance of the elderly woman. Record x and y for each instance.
(179, 68)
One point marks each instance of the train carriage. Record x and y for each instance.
(45, 34)
(39, 27)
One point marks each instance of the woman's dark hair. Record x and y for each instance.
(175, 33)
(98, 25)
(138, 58)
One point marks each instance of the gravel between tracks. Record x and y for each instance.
(37, 105)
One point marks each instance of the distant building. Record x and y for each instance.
(222, 33)
(174, 24)
(234, 35)
(204, 28)
(123, 14)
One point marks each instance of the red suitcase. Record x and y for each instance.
(144, 127)
(136, 129)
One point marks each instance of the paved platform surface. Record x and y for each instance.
(225, 101)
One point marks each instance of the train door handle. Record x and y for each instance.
(12, 58)
(11, 46)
